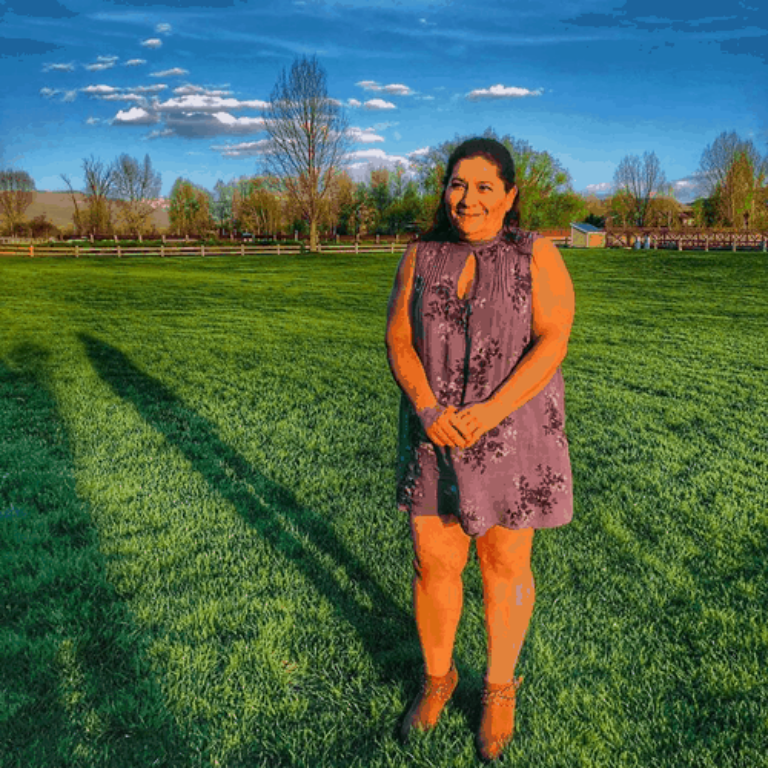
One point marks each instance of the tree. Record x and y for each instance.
(379, 196)
(96, 218)
(256, 205)
(733, 174)
(308, 138)
(136, 187)
(189, 211)
(17, 191)
(641, 180)
(222, 205)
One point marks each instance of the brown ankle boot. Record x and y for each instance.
(497, 725)
(430, 701)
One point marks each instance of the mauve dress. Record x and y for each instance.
(518, 475)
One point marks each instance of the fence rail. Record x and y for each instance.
(165, 251)
(198, 250)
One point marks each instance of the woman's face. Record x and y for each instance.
(475, 199)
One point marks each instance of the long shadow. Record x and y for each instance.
(74, 674)
(385, 630)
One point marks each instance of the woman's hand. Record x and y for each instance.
(462, 429)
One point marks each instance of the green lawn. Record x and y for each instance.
(202, 562)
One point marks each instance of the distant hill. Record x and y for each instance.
(59, 208)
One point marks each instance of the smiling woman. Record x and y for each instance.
(478, 325)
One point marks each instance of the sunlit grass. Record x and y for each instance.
(202, 562)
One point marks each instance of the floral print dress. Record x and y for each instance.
(518, 475)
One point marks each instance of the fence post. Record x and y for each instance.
(202, 249)
(733, 245)
(356, 250)
(706, 243)
(764, 242)
(278, 247)
(77, 251)
(118, 252)
(31, 250)
(679, 244)
(391, 247)
(242, 249)
(162, 249)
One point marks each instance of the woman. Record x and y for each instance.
(478, 325)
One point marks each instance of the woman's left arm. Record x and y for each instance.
(553, 308)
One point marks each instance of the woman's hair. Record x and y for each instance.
(496, 153)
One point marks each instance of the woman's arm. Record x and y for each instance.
(404, 361)
(553, 308)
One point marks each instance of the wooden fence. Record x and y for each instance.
(702, 239)
(278, 248)
(163, 251)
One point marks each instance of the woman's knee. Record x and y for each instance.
(505, 554)
(442, 549)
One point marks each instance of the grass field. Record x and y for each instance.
(202, 563)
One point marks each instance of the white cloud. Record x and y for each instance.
(97, 90)
(49, 92)
(502, 92)
(363, 135)
(396, 89)
(186, 90)
(421, 151)
(69, 95)
(134, 62)
(107, 59)
(100, 66)
(142, 100)
(354, 103)
(163, 29)
(152, 42)
(170, 72)
(134, 116)
(397, 135)
(379, 104)
(92, 121)
(149, 88)
(161, 134)
(59, 68)
(601, 189)
(201, 103)
(244, 149)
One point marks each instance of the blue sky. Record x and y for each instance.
(587, 80)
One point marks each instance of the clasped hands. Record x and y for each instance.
(462, 429)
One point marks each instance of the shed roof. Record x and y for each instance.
(586, 227)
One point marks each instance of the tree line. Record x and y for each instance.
(302, 185)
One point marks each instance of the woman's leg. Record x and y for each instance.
(509, 593)
(441, 551)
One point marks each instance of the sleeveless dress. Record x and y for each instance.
(518, 475)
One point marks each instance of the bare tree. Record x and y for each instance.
(308, 138)
(17, 192)
(99, 184)
(136, 186)
(641, 179)
(77, 217)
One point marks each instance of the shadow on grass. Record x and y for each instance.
(385, 630)
(75, 685)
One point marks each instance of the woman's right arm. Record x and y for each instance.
(403, 359)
